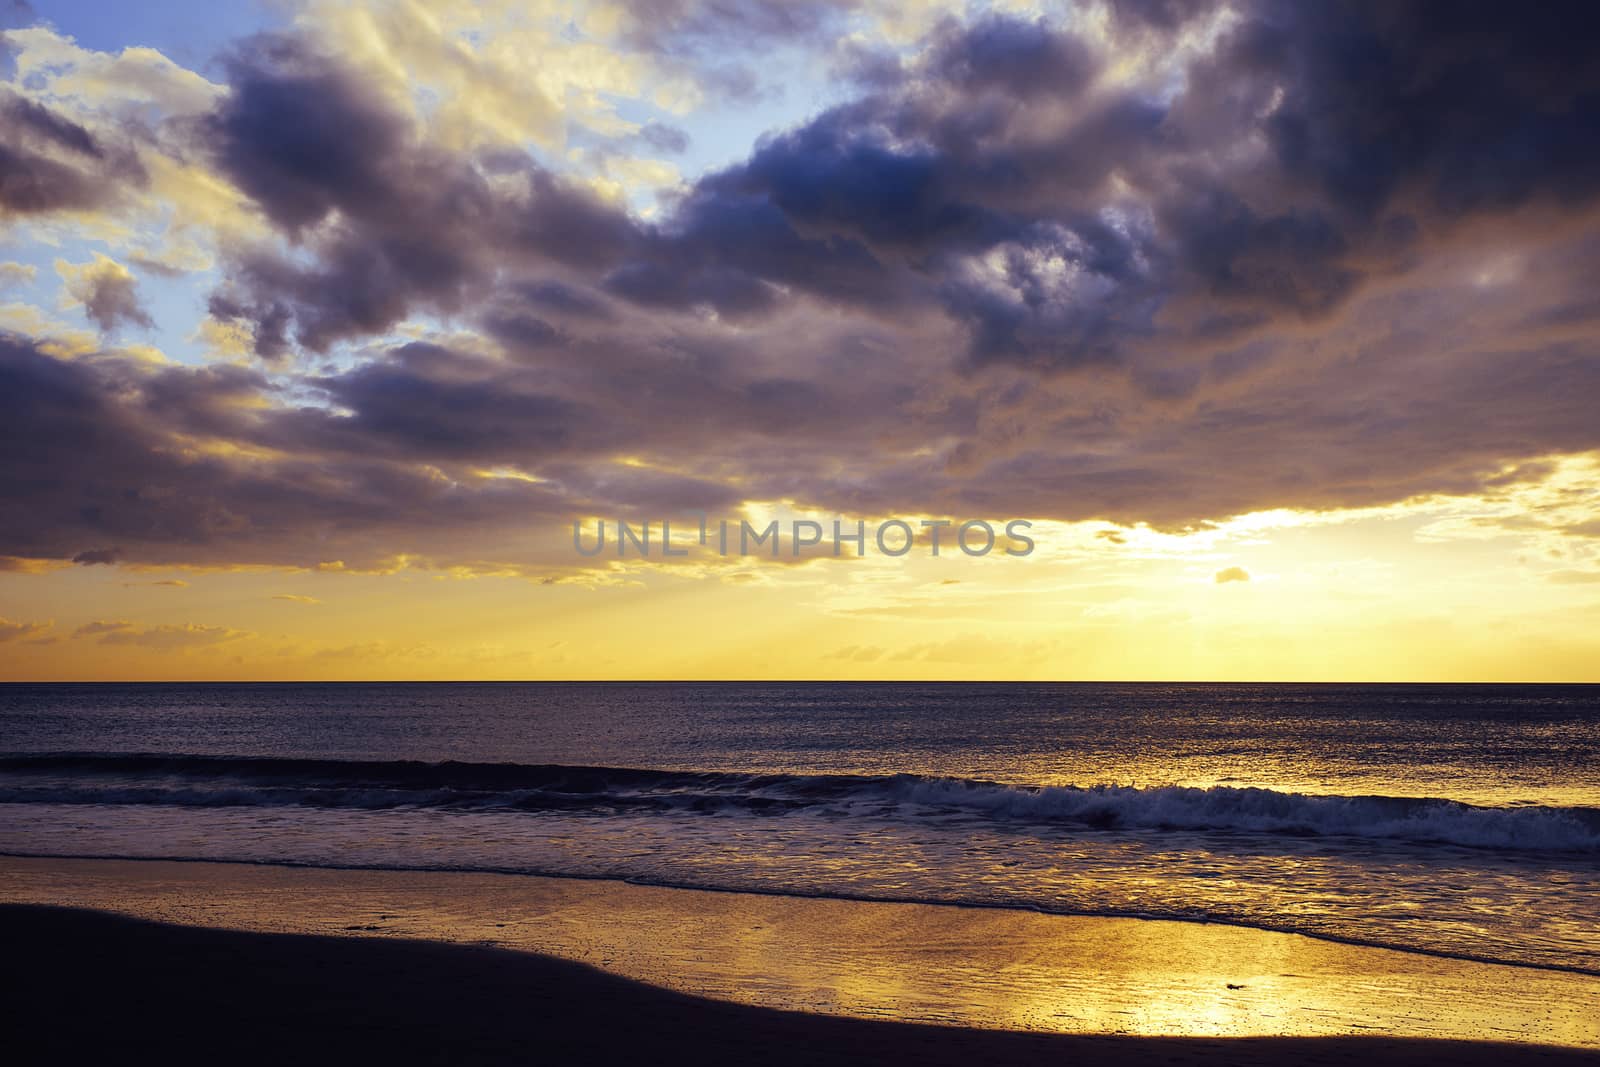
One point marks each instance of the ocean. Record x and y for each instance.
(1457, 820)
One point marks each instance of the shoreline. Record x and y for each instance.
(96, 985)
(1354, 943)
(964, 968)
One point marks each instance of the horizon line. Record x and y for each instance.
(768, 681)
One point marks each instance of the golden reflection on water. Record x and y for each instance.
(1282, 765)
(973, 967)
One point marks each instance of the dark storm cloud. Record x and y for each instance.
(1476, 107)
(836, 210)
(310, 144)
(104, 452)
(834, 176)
(1296, 261)
(49, 163)
(304, 138)
(1389, 127)
(1001, 281)
(392, 224)
(657, 283)
(32, 120)
(108, 452)
(1369, 96)
(1055, 297)
(1020, 58)
(532, 317)
(730, 252)
(1001, 133)
(889, 201)
(558, 221)
(407, 404)
(520, 330)
(169, 463)
(1386, 129)
(558, 298)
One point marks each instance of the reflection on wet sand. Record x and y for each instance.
(971, 967)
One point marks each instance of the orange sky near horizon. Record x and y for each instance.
(1459, 589)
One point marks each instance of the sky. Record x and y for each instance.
(321, 324)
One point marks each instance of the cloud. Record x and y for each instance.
(1020, 236)
(664, 138)
(52, 164)
(1165, 270)
(1571, 577)
(107, 291)
(1232, 574)
(971, 159)
(15, 275)
(186, 635)
(409, 405)
(856, 653)
(177, 464)
(19, 565)
(391, 223)
(17, 631)
(101, 627)
(114, 632)
(296, 598)
(1530, 98)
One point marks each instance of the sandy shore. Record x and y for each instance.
(96, 987)
(415, 965)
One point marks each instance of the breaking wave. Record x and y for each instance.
(226, 781)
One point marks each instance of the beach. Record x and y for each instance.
(256, 963)
(192, 995)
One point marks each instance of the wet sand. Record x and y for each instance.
(702, 974)
(95, 987)
(100, 988)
